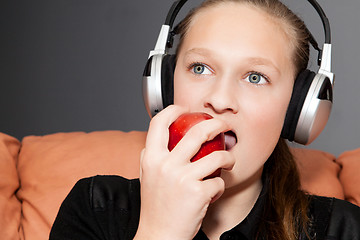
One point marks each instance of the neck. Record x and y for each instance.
(232, 208)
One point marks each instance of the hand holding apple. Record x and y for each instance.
(182, 124)
(172, 191)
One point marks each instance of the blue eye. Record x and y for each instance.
(257, 78)
(199, 68)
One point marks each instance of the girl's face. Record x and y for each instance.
(235, 64)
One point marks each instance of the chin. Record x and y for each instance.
(241, 179)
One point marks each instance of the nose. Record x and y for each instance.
(222, 97)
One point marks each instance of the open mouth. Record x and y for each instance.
(230, 140)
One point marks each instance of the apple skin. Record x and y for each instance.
(181, 125)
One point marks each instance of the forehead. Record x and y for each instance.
(238, 28)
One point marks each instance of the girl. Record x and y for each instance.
(237, 61)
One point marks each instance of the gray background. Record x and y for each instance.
(76, 65)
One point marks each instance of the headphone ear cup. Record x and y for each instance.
(300, 91)
(157, 85)
(309, 108)
(167, 79)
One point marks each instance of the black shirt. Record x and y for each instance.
(108, 207)
(247, 228)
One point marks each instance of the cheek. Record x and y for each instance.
(271, 114)
(185, 94)
(265, 118)
(180, 90)
(261, 130)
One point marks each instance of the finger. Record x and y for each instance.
(215, 187)
(210, 163)
(204, 131)
(158, 133)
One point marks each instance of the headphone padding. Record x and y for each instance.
(167, 79)
(300, 91)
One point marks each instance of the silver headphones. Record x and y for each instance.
(311, 101)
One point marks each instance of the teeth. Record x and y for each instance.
(230, 140)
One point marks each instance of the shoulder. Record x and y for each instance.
(345, 220)
(99, 207)
(112, 181)
(100, 190)
(343, 217)
(114, 190)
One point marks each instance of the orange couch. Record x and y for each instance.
(38, 172)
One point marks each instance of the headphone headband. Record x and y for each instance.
(324, 20)
(177, 5)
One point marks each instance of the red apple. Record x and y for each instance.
(181, 125)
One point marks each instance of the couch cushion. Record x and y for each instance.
(49, 166)
(318, 172)
(349, 175)
(10, 206)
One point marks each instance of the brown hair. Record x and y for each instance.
(285, 215)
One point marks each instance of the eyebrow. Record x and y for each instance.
(259, 61)
(200, 51)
